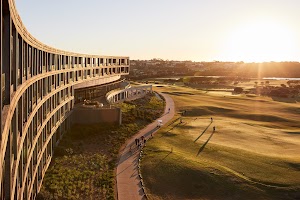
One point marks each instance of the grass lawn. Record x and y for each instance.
(253, 154)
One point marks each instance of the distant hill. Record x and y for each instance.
(166, 68)
(253, 70)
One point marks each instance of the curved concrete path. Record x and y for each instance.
(128, 180)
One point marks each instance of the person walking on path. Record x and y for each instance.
(211, 119)
(214, 128)
(169, 110)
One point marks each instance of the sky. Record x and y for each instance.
(197, 30)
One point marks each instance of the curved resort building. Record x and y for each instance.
(37, 98)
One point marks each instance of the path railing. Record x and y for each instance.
(131, 93)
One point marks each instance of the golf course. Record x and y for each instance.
(253, 153)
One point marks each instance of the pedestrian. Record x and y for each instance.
(211, 119)
(145, 142)
(214, 128)
(136, 141)
(169, 110)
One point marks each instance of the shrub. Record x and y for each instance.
(238, 90)
(280, 92)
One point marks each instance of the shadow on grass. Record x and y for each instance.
(173, 121)
(183, 125)
(291, 132)
(293, 110)
(172, 128)
(294, 165)
(162, 159)
(168, 134)
(286, 100)
(259, 117)
(203, 132)
(179, 93)
(203, 146)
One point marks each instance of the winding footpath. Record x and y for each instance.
(128, 181)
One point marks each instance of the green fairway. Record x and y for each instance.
(253, 154)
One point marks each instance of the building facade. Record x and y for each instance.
(37, 98)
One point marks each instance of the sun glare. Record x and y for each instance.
(260, 41)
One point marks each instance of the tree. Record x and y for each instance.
(267, 83)
(283, 85)
(238, 90)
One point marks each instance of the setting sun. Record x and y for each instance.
(260, 41)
